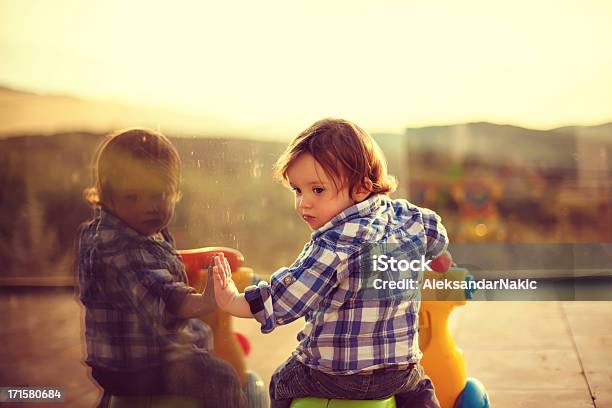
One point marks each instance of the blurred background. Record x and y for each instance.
(497, 115)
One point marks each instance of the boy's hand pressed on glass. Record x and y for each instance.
(197, 304)
(226, 294)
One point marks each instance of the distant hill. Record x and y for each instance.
(491, 143)
(27, 113)
(23, 113)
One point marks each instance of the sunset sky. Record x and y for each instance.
(272, 67)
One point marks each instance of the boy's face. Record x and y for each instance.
(142, 201)
(316, 198)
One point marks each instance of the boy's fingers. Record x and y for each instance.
(228, 270)
(217, 279)
(219, 261)
(224, 265)
(218, 269)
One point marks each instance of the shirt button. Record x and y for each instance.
(288, 280)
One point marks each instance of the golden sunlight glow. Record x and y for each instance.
(273, 67)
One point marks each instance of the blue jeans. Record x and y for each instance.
(411, 387)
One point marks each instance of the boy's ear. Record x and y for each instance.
(363, 191)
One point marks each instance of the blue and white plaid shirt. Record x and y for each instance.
(130, 284)
(349, 329)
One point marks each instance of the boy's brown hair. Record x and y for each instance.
(347, 153)
(120, 151)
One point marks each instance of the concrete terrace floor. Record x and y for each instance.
(527, 354)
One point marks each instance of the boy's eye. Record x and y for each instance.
(318, 190)
(297, 190)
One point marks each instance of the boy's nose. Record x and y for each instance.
(153, 206)
(304, 203)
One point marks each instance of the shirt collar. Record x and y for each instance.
(359, 210)
(109, 221)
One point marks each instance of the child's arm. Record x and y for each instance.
(435, 234)
(297, 290)
(155, 294)
(226, 294)
(196, 304)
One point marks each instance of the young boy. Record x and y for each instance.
(360, 340)
(139, 328)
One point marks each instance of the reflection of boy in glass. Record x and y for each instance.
(353, 346)
(139, 327)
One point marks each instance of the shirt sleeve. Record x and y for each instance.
(296, 290)
(435, 233)
(154, 292)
